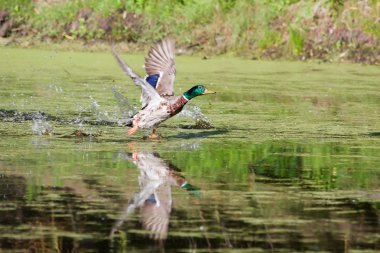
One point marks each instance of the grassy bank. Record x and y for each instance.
(258, 29)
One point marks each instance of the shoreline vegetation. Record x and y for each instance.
(327, 30)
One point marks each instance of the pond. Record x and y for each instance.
(289, 160)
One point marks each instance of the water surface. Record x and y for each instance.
(291, 164)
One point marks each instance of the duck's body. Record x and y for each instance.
(158, 100)
(155, 113)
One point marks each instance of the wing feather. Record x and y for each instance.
(166, 49)
(148, 93)
(155, 63)
(160, 60)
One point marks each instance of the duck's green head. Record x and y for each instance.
(195, 91)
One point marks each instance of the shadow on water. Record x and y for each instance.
(17, 117)
(201, 134)
(374, 134)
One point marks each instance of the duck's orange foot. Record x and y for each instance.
(154, 136)
(133, 130)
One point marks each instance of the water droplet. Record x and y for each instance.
(40, 126)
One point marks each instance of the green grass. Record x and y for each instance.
(255, 29)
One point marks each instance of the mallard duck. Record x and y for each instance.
(157, 96)
(154, 198)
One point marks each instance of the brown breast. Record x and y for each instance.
(177, 105)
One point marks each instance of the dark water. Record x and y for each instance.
(291, 164)
(77, 195)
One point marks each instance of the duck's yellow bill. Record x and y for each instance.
(208, 92)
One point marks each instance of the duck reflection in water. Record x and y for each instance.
(154, 198)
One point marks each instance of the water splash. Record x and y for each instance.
(53, 87)
(90, 117)
(190, 146)
(98, 113)
(86, 126)
(126, 110)
(40, 125)
(194, 112)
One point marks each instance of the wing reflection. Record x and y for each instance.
(154, 198)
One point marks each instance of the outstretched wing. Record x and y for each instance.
(155, 212)
(148, 93)
(160, 67)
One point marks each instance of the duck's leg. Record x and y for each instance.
(135, 127)
(132, 147)
(154, 135)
